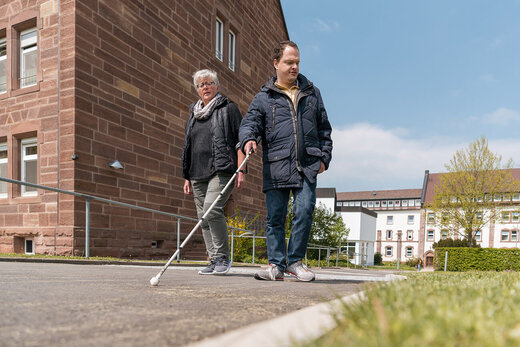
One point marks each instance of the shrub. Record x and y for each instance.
(378, 259)
(449, 242)
(485, 259)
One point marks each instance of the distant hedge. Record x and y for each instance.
(484, 259)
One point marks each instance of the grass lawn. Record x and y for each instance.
(434, 309)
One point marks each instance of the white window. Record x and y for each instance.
(388, 251)
(516, 217)
(497, 197)
(357, 203)
(397, 203)
(383, 203)
(351, 203)
(232, 42)
(409, 251)
(377, 204)
(431, 235)
(390, 203)
(417, 202)
(370, 204)
(514, 235)
(478, 235)
(410, 202)
(390, 220)
(516, 197)
(389, 234)
(505, 235)
(405, 203)
(409, 234)
(28, 57)
(338, 203)
(478, 215)
(431, 218)
(29, 165)
(410, 219)
(219, 48)
(3, 65)
(3, 169)
(29, 246)
(364, 204)
(505, 217)
(444, 234)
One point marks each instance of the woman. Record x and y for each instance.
(209, 159)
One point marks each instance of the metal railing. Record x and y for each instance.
(88, 198)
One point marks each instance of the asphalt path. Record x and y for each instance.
(44, 304)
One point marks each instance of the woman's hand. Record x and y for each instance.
(187, 187)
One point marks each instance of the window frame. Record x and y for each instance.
(28, 142)
(3, 146)
(412, 222)
(389, 234)
(478, 235)
(389, 220)
(30, 46)
(506, 234)
(219, 39)
(232, 40)
(432, 238)
(3, 42)
(409, 248)
(388, 249)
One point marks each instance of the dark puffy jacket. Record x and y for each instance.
(293, 142)
(225, 122)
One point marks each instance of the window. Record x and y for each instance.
(364, 204)
(497, 197)
(431, 235)
(338, 203)
(3, 65)
(505, 217)
(409, 252)
(516, 217)
(390, 203)
(418, 202)
(505, 235)
(29, 165)
(377, 204)
(383, 203)
(390, 220)
(478, 235)
(410, 202)
(397, 203)
(410, 219)
(431, 218)
(219, 47)
(409, 234)
(232, 40)
(478, 215)
(389, 234)
(405, 203)
(444, 234)
(516, 197)
(29, 246)
(3, 169)
(514, 235)
(351, 203)
(28, 57)
(370, 204)
(357, 203)
(388, 251)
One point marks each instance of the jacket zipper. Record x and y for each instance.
(274, 112)
(295, 129)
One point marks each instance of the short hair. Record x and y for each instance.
(280, 47)
(203, 74)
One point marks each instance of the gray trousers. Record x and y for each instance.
(214, 227)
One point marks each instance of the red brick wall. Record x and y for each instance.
(34, 111)
(134, 64)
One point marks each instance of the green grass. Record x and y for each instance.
(433, 309)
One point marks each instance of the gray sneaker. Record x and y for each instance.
(272, 273)
(300, 271)
(222, 266)
(208, 270)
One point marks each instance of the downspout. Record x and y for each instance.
(423, 197)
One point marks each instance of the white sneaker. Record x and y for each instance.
(272, 273)
(300, 271)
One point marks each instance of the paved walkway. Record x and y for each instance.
(44, 304)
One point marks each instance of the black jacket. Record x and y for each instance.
(294, 143)
(225, 122)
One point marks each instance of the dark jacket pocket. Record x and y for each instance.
(278, 168)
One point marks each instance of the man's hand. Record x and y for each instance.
(322, 168)
(250, 145)
(187, 187)
(239, 180)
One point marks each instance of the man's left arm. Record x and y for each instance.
(324, 133)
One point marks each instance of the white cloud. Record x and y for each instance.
(488, 77)
(324, 26)
(502, 116)
(368, 157)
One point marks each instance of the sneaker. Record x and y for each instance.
(208, 270)
(222, 266)
(300, 271)
(272, 273)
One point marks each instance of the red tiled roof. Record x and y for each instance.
(381, 194)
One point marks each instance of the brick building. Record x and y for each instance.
(86, 82)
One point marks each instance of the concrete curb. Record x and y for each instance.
(298, 326)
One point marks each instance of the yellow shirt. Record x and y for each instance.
(291, 92)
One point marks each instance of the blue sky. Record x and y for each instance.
(407, 83)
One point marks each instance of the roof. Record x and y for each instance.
(435, 178)
(325, 192)
(381, 194)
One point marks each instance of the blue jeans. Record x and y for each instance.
(276, 201)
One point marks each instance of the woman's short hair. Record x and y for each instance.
(280, 47)
(203, 74)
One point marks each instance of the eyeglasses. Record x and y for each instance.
(205, 84)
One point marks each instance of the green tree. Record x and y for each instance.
(472, 192)
(327, 227)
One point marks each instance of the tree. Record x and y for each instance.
(327, 227)
(473, 191)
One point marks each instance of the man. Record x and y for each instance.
(289, 117)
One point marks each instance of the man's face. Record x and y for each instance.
(288, 67)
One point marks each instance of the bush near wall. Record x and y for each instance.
(483, 259)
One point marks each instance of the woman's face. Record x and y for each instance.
(207, 89)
